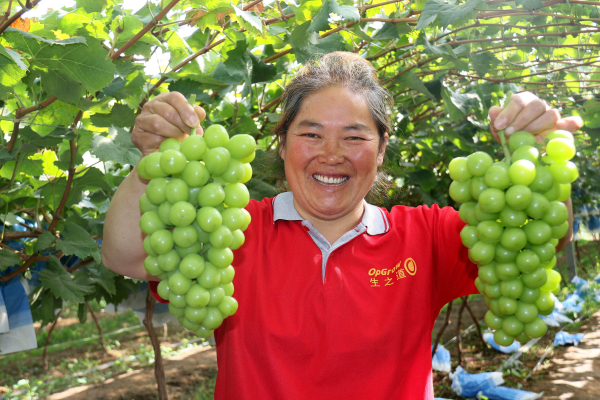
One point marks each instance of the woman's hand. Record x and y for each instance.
(168, 115)
(527, 112)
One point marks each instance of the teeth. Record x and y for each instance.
(330, 180)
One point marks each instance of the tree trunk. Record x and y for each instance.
(159, 370)
(441, 331)
(458, 337)
(45, 355)
(99, 328)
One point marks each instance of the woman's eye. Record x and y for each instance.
(310, 135)
(355, 138)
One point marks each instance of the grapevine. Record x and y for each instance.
(194, 216)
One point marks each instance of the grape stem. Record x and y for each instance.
(192, 101)
(503, 136)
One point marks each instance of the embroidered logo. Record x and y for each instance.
(410, 266)
(388, 276)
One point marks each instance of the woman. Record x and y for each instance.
(337, 297)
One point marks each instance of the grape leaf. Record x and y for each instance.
(483, 62)
(120, 116)
(411, 80)
(249, 20)
(19, 39)
(102, 276)
(8, 259)
(43, 310)
(16, 57)
(321, 21)
(92, 5)
(77, 241)
(448, 13)
(43, 241)
(61, 284)
(531, 4)
(118, 147)
(11, 74)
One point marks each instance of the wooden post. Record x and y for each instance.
(159, 370)
(571, 264)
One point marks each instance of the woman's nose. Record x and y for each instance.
(332, 153)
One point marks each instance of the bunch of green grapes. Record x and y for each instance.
(515, 216)
(194, 216)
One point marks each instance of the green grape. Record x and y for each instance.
(179, 283)
(141, 168)
(503, 255)
(538, 206)
(489, 231)
(507, 306)
(152, 166)
(177, 300)
(458, 169)
(512, 289)
(168, 261)
(169, 144)
(194, 314)
(529, 295)
(162, 241)
(564, 171)
(150, 222)
(151, 266)
(228, 306)
(235, 172)
(147, 247)
(554, 192)
(247, 173)
(193, 249)
(544, 251)
(513, 239)
(537, 232)
(227, 274)
(195, 174)
(177, 190)
(163, 212)
(493, 321)
(518, 197)
(487, 273)
(468, 235)
(213, 319)
(187, 324)
(193, 200)
(172, 162)
(482, 253)
(536, 329)
(182, 213)
(557, 213)
(526, 312)
(543, 179)
(238, 239)
(236, 195)
(565, 191)
(480, 285)
(185, 236)
(202, 236)
(545, 302)
(248, 159)
(241, 146)
(512, 218)
(192, 265)
(491, 200)
(559, 231)
(522, 172)
(176, 311)
(527, 261)
(203, 332)
(216, 136)
(560, 133)
(560, 149)
(493, 305)
(156, 190)
(477, 186)
(520, 138)
(522, 338)
(210, 276)
(463, 212)
(208, 219)
(220, 258)
(552, 282)
(211, 195)
(248, 219)
(145, 204)
(478, 163)
(217, 160)
(221, 237)
(492, 291)
(506, 271)
(512, 326)
(460, 191)
(535, 279)
(216, 296)
(197, 296)
(497, 176)
(163, 289)
(194, 147)
(549, 264)
(526, 152)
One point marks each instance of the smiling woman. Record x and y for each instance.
(337, 297)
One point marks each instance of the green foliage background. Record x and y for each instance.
(73, 81)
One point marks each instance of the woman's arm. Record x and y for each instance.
(167, 115)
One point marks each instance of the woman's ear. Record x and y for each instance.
(382, 148)
(282, 147)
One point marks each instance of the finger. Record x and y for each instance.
(544, 123)
(167, 112)
(527, 115)
(493, 113)
(186, 112)
(153, 124)
(146, 142)
(571, 124)
(514, 107)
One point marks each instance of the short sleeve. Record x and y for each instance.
(153, 285)
(454, 272)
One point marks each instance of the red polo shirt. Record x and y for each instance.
(355, 327)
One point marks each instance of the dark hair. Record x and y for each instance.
(343, 69)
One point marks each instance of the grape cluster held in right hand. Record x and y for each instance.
(515, 216)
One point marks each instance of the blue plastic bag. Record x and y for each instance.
(506, 393)
(21, 333)
(489, 338)
(563, 338)
(441, 359)
(468, 385)
(572, 303)
(582, 286)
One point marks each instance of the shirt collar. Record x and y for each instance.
(374, 218)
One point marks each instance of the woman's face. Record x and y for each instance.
(331, 153)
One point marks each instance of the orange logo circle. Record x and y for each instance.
(410, 266)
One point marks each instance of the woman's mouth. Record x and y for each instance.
(330, 181)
